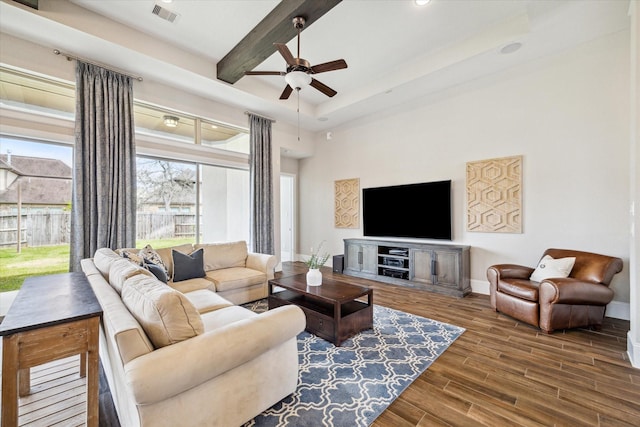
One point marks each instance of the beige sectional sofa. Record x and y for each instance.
(182, 353)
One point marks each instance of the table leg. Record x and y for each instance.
(24, 381)
(92, 362)
(10, 380)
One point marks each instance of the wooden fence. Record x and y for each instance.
(53, 228)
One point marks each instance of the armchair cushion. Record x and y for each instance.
(549, 267)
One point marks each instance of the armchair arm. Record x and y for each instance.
(573, 291)
(173, 369)
(497, 272)
(262, 262)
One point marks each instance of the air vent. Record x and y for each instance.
(164, 13)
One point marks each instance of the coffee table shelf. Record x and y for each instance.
(334, 310)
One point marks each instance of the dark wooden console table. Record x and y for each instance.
(333, 310)
(52, 317)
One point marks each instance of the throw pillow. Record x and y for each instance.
(133, 257)
(157, 271)
(550, 268)
(151, 256)
(187, 266)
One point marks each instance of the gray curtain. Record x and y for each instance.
(103, 209)
(261, 174)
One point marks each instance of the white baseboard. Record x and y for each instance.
(480, 287)
(633, 350)
(615, 309)
(618, 310)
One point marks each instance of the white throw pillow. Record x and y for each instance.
(550, 268)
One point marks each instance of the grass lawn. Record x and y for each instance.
(15, 267)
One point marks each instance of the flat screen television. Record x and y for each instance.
(412, 210)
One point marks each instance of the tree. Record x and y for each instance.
(166, 183)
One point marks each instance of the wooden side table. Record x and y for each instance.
(52, 317)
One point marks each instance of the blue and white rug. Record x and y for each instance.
(352, 384)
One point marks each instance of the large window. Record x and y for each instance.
(193, 180)
(181, 202)
(35, 202)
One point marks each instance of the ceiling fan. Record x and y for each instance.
(299, 70)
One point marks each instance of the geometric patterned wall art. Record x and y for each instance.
(347, 203)
(494, 195)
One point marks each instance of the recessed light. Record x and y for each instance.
(422, 2)
(170, 121)
(214, 127)
(511, 47)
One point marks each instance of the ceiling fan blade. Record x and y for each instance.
(264, 73)
(286, 92)
(286, 53)
(329, 66)
(323, 88)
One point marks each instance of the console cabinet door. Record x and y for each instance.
(352, 257)
(447, 268)
(361, 258)
(421, 263)
(370, 259)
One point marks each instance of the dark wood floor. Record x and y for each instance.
(502, 372)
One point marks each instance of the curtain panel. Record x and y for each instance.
(261, 177)
(104, 183)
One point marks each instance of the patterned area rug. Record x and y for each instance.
(352, 384)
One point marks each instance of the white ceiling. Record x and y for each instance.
(397, 52)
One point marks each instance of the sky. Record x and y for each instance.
(19, 147)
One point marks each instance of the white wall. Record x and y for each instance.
(567, 115)
(633, 337)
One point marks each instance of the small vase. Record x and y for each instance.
(314, 277)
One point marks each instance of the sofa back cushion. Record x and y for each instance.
(167, 259)
(121, 270)
(224, 255)
(103, 258)
(165, 314)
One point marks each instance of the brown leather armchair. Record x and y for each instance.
(579, 300)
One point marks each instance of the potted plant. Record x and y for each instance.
(317, 260)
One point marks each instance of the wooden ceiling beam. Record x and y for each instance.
(276, 27)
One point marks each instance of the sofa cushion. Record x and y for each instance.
(205, 301)
(121, 270)
(224, 255)
(551, 268)
(225, 316)
(103, 258)
(234, 278)
(192, 285)
(166, 315)
(187, 266)
(167, 259)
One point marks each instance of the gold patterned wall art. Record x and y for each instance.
(494, 195)
(347, 203)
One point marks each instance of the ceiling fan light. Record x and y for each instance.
(297, 79)
(171, 121)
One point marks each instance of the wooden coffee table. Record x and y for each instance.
(335, 310)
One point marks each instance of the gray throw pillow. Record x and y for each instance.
(189, 266)
(157, 271)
